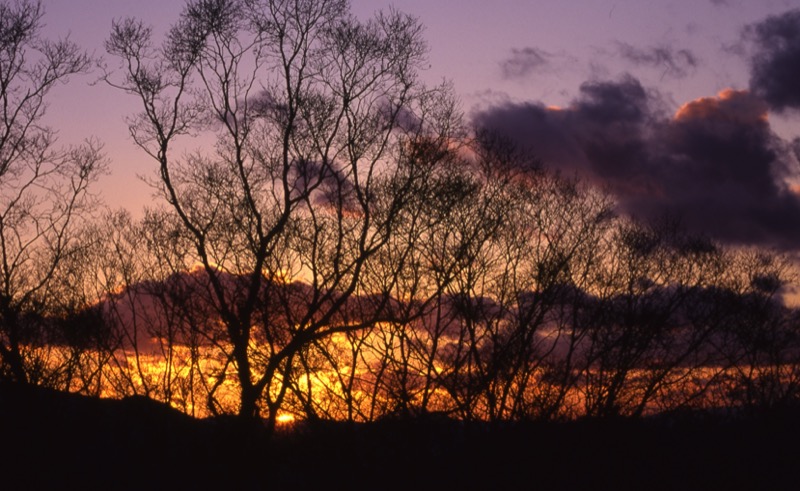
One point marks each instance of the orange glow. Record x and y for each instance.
(704, 386)
(737, 106)
(199, 267)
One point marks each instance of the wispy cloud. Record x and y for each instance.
(675, 63)
(524, 62)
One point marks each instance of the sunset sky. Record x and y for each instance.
(684, 107)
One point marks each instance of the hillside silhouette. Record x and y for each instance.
(52, 439)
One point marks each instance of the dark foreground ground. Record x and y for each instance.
(58, 441)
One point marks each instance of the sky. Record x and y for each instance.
(687, 108)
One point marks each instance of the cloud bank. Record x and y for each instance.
(715, 163)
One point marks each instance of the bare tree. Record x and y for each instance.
(510, 298)
(43, 188)
(312, 110)
(151, 318)
(759, 345)
(493, 250)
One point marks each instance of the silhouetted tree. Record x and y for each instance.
(152, 319)
(759, 345)
(313, 111)
(43, 192)
(509, 299)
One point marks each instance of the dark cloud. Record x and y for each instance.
(719, 165)
(775, 65)
(716, 163)
(796, 148)
(523, 62)
(721, 3)
(600, 135)
(676, 63)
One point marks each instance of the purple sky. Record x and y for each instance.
(620, 70)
